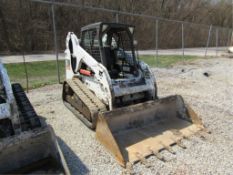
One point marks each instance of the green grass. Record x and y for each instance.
(45, 72)
(165, 60)
(39, 73)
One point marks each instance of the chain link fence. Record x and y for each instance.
(33, 49)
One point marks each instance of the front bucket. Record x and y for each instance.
(135, 132)
(35, 152)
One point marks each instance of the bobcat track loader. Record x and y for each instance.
(27, 144)
(113, 92)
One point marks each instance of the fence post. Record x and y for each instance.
(216, 41)
(118, 9)
(26, 70)
(229, 38)
(182, 30)
(117, 18)
(208, 40)
(156, 40)
(55, 41)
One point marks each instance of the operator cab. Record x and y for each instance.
(112, 45)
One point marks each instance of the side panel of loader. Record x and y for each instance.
(134, 132)
(35, 151)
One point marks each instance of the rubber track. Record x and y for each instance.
(28, 117)
(88, 98)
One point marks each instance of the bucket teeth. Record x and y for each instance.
(180, 134)
(201, 134)
(169, 149)
(143, 160)
(158, 155)
(180, 144)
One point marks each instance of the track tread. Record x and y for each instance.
(28, 117)
(89, 99)
(86, 95)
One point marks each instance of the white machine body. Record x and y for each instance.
(100, 83)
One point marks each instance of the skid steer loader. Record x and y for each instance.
(113, 92)
(27, 144)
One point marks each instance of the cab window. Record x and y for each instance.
(90, 43)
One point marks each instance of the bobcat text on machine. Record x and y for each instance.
(27, 144)
(113, 92)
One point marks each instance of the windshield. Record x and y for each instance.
(120, 43)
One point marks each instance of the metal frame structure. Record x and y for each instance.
(116, 12)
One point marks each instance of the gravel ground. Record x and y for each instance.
(211, 97)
